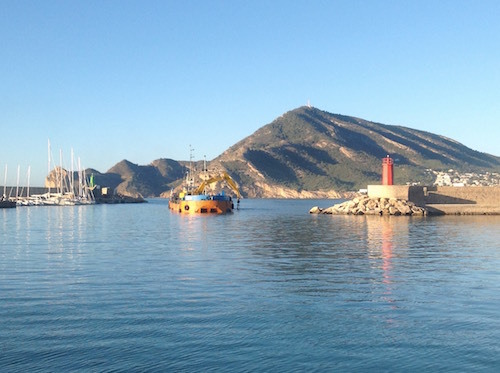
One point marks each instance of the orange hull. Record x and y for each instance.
(201, 207)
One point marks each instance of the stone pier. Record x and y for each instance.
(426, 200)
(440, 200)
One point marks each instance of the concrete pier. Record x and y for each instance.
(444, 200)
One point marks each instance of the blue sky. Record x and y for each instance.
(142, 80)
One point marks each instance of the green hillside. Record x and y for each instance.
(309, 149)
(308, 152)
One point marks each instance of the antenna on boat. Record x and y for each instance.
(190, 177)
(191, 157)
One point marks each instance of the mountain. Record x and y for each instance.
(130, 179)
(307, 153)
(310, 150)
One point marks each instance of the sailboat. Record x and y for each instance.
(68, 191)
(5, 202)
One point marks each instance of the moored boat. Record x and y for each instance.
(6, 203)
(198, 201)
(201, 203)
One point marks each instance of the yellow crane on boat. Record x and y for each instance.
(224, 177)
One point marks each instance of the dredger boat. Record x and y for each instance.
(197, 201)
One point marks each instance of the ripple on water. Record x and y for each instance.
(270, 287)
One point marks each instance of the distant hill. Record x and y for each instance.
(309, 153)
(131, 179)
(308, 149)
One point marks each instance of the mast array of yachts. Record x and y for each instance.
(63, 188)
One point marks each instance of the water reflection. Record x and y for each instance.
(387, 248)
(192, 231)
(51, 231)
(386, 237)
(387, 241)
(256, 290)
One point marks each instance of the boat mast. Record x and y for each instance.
(61, 173)
(28, 191)
(80, 181)
(48, 172)
(72, 176)
(17, 184)
(205, 171)
(5, 183)
(190, 182)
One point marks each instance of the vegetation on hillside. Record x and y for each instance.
(307, 149)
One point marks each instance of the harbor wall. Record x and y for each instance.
(444, 199)
(486, 196)
(23, 191)
(414, 194)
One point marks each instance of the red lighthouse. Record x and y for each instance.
(387, 170)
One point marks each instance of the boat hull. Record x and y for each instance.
(5, 204)
(201, 206)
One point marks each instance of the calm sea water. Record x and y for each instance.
(268, 288)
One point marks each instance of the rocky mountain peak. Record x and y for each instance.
(307, 152)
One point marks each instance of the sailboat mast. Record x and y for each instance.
(60, 172)
(80, 179)
(17, 184)
(48, 172)
(71, 175)
(5, 182)
(28, 191)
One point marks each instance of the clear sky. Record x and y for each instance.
(142, 80)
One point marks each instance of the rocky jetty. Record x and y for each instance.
(372, 206)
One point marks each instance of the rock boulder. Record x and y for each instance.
(372, 206)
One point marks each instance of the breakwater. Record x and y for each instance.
(463, 200)
(372, 206)
(422, 200)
